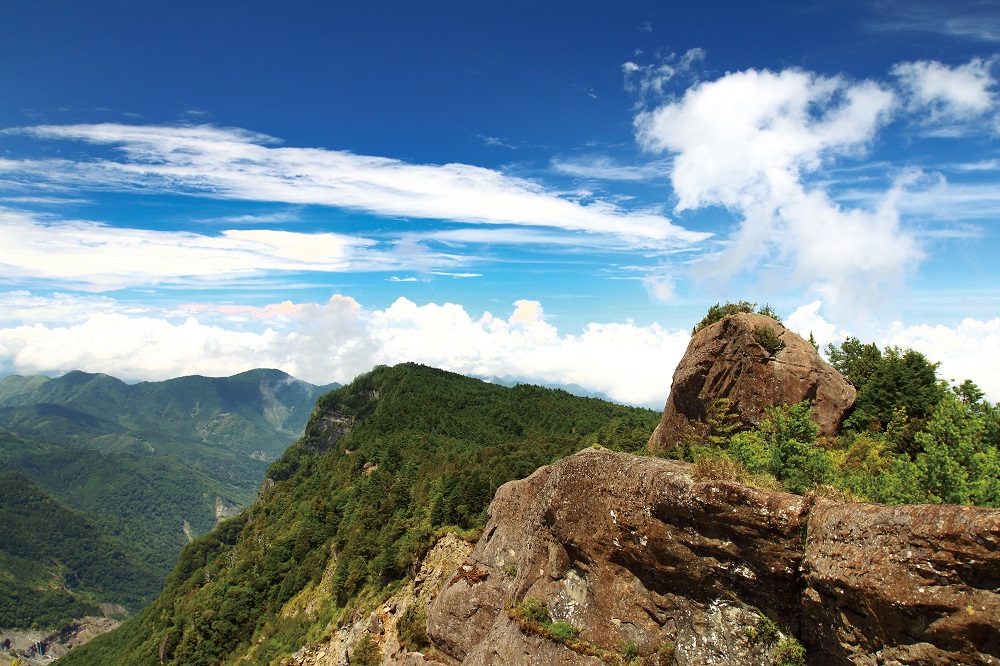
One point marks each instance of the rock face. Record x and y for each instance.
(725, 360)
(632, 550)
(902, 584)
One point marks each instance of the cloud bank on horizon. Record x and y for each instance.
(151, 249)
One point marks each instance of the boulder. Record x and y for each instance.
(727, 360)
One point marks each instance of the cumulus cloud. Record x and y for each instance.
(748, 142)
(229, 163)
(337, 340)
(949, 94)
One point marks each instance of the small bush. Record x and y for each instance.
(768, 339)
(718, 312)
(719, 468)
(630, 652)
(768, 311)
(412, 628)
(765, 632)
(531, 610)
(367, 652)
(510, 570)
(563, 632)
(789, 652)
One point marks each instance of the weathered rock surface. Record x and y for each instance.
(632, 550)
(725, 360)
(902, 584)
(629, 550)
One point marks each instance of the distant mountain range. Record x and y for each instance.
(572, 389)
(134, 471)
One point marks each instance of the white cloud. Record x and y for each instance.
(966, 351)
(235, 164)
(806, 321)
(337, 340)
(649, 82)
(599, 167)
(99, 256)
(949, 94)
(747, 142)
(660, 287)
(21, 305)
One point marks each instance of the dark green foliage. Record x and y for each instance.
(229, 427)
(783, 446)
(141, 462)
(563, 632)
(765, 632)
(768, 311)
(886, 381)
(712, 434)
(768, 339)
(718, 312)
(531, 610)
(426, 452)
(54, 560)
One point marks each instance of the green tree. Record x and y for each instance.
(783, 446)
(956, 466)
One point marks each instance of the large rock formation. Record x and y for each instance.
(633, 552)
(727, 360)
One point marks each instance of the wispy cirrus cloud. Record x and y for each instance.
(226, 163)
(95, 256)
(602, 167)
(975, 20)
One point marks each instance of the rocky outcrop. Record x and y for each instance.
(727, 360)
(634, 552)
(382, 623)
(902, 584)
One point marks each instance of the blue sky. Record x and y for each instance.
(551, 191)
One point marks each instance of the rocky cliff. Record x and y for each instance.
(732, 359)
(644, 560)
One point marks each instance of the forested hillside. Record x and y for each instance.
(145, 467)
(49, 549)
(388, 464)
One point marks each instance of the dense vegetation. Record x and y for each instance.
(346, 520)
(50, 550)
(142, 467)
(910, 439)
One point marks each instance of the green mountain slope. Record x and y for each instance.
(148, 465)
(386, 464)
(55, 563)
(241, 422)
